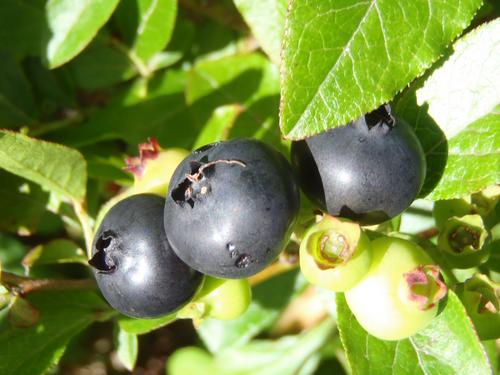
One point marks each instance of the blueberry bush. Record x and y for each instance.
(249, 187)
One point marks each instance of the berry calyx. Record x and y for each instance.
(335, 254)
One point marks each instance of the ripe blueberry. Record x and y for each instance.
(230, 208)
(369, 170)
(135, 267)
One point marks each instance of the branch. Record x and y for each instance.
(24, 285)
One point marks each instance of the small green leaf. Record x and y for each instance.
(155, 108)
(17, 106)
(22, 204)
(101, 65)
(342, 59)
(55, 167)
(218, 125)
(268, 300)
(73, 24)
(155, 27)
(54, 252)
(466, 87)
(141, 326)
(127, 348)
(22, 26)
(448, 345)
(22, 314)
(473, 159)
(266, 19)
(247, 80)
(36, 349)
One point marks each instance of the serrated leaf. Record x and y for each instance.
(73, 24)
(268, 300)
(127, 348)
(342, 59)
(448, 345)
(266, 19)
(36, 349)
(473, 159)
(140, 326)
(55, 252)
(55, 167)
(155, 26)
(466, 87)
(218, 125)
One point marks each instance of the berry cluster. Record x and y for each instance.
(230, 209)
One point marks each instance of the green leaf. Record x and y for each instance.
(127, 348)
(156, 24)
(140, 326)
(268, 300)
(466, 87)
(285, 356)
(448, 345)
(342, 59)
(247, 80)
(266, 19)
(155, 108)
(22, 204)
(17, 106)
(36, 349)
(101, 65)
(55, 252)
(22, 26)
(218, 125)
(473, 159)
(55, 167)
(73, 24)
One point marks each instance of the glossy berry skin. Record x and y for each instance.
(136, 269)
(368, 171)
(230, 208)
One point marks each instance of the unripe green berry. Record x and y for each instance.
(399, 296)
(481, 298)
(461, 240)
(335, 254)
(228, 299)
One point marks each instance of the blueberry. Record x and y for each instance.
(136, 269)
(230, 208)
(370, 170)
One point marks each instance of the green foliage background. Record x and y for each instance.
(83, 82)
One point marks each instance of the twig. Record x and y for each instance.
(428, 233)
(24, 285)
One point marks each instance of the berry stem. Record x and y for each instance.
(86, 224)
(23, 285)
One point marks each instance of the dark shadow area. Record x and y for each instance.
(276, 292)
(431, 137)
